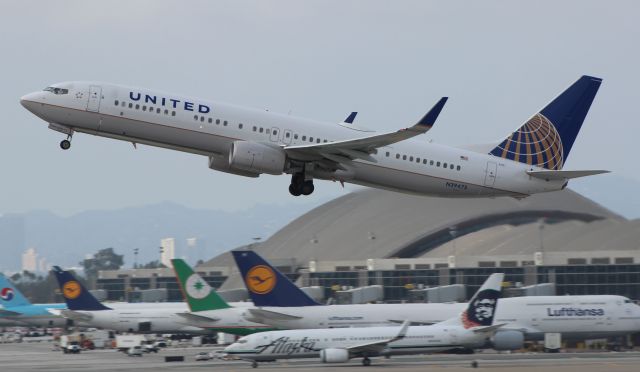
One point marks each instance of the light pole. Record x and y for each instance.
(135, 257)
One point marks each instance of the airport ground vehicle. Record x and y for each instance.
(134, 351)
(203, 356)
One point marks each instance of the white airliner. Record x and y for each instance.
(251, 142)
(281, 304)
(471, 329)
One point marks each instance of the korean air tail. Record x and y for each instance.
(546, 139)
(196, 291)
(266, 285)
(10, 296)
(75, 294)
(482, 306)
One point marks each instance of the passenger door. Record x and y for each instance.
(275, 134)
(95, 95)
(490, 175)
(286, 138)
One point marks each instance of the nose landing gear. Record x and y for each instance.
(300, 186)
(66, 143)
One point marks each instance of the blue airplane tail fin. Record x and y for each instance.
(10, 296)
(546, 139)
(266, 285)
(75, 294)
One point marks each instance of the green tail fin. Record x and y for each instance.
(196, 291)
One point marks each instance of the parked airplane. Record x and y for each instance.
(471, 329)
(250, 142)
(280, 303)
(17, 310)
(208, 309)
(124, 317)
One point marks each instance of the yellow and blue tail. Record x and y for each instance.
(266, 285)
(75, 294)
(546, 139)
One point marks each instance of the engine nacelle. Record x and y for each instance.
(257, 158)
(507, 340)
(221, 163)
(334, 355)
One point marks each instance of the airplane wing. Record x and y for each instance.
(271, 315)
(75, 315)
(413, 322)
(198, 319)
(379, 346)
(361, 148)
(9, 313)
(555, 175)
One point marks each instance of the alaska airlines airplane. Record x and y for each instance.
(280, 303)
(470, 329)
(17, 310)
(250, 142)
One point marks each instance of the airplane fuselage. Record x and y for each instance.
(210, 129)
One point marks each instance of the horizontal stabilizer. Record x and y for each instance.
(272, 315)
(76, 315)
(555, 175)
(198, 319)
(9, 313)
(488, 329)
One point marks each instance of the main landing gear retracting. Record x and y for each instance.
(65, 144)
(300, 185)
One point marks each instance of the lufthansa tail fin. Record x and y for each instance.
(266, 285)
(546, 139)
(10, 296)
(482, 306)
(195, 290)
(75, 294)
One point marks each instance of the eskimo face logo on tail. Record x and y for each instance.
(6, 294)
(196, 287)
(71, 289)
(481, 310)
(260, 279)
(537, 143)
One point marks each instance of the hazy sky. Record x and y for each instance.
(499, 61)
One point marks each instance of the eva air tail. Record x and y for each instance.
(10, 296)
(196, 291)
(545, 140)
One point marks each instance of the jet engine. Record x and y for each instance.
(256, 158)
(507, 340)
(334, 355)
(221, 163)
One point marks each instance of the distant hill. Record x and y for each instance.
(67, 240)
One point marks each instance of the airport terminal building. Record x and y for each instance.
(404, 246)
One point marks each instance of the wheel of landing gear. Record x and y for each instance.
(366, 362)
(293, 190)
(65, 144)
(307, 188)
(254, 364)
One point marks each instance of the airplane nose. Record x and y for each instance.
(29, 101)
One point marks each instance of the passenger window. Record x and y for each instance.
(173, 113)
(451, 166)
(123, 104)
(325, 141)
(116, 103)
(318, 140)
(130, 105)
(417, 160)
(268, 131)
(224, 123)
(275, 132)
(137, 107)
(437, 164)
(255, 128)
(424, 161)
(304, 138)
(444, 165)
(295, 136)
(287, 134)
(210, 120)
(144, 108)
(217, 121)
(404, 157)
(158, 110)
(261, 129)
(202, 118)
(431, 162)
(458, 167)
(195, 117)
(410, 158)
(239, 125)
(310, 139)
(397, 156)
(387, 154)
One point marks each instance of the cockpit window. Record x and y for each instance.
(55, 90)
(242, 341)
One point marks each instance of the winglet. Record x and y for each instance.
(429, 119)
(403, 329)
(75, 294)
(350, 118)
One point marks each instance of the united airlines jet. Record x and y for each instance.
(250, 142)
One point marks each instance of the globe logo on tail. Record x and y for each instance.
(196, 287)
(6, 294)
(71, 290)
(260, 279)
(536, 143)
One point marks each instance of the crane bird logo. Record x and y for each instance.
(71, 289)
(260, 279)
